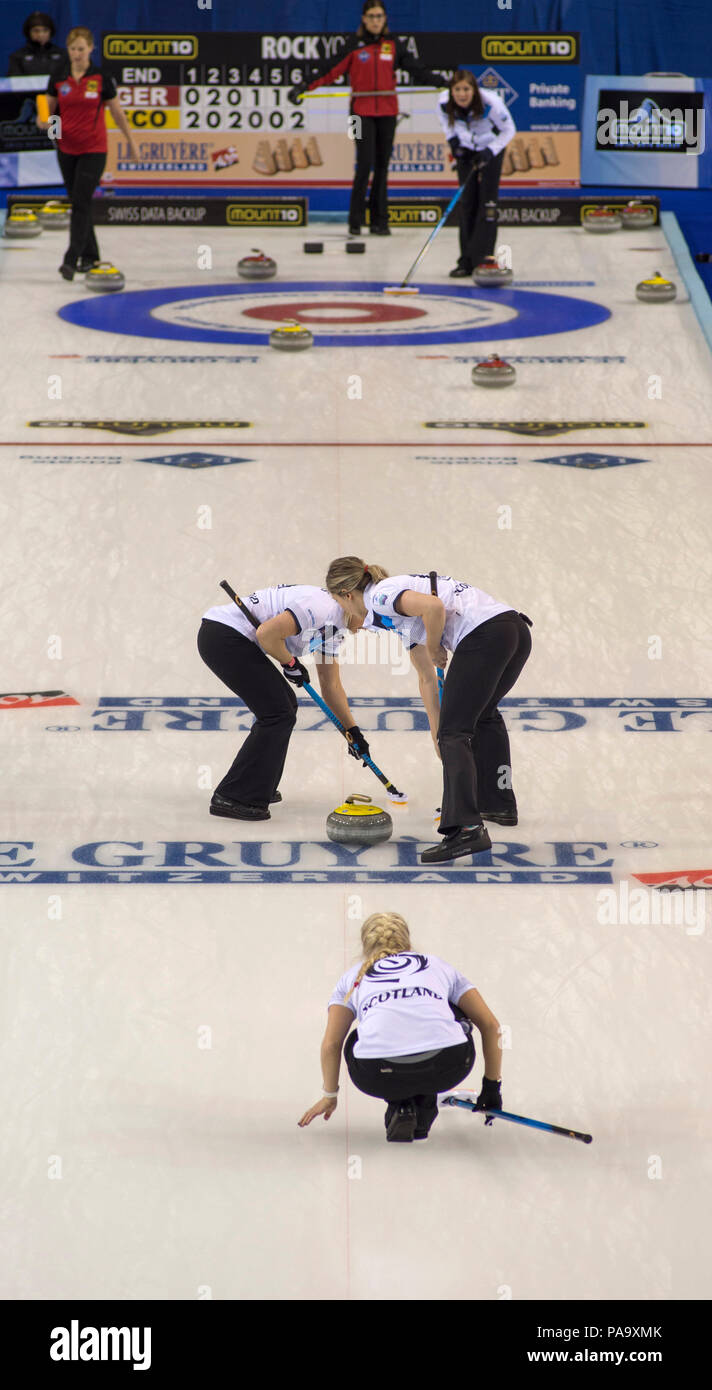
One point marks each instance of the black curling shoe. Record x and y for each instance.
(426, 1112)
(236, 810)
(460, 273)
(472, 839)
(273, 801)
(401, 1119)
(66, 271)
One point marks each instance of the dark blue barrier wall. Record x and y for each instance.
(618, 36)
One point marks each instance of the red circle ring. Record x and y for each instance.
(307, 312)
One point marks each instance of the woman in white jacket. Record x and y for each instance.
(478, 128)
(415, 1014)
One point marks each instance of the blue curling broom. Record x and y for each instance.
(458, 1099)
(399, 798)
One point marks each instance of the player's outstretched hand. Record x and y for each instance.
(325, 1107)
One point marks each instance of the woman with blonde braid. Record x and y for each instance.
(490, 643)
(414, 1014)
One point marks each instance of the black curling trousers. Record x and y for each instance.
(373, 152)
(478, 211)
(472, 735)
(81, 174)
(243, 667)
(398, 1078)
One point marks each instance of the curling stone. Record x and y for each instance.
(635, 215)
(22, 222)
(104, 277)
(55, 216)
(493, 372)
(291, 337)
(355, 248)
(313, 248)
(257, 266)
(491, 273)
(655, 290)
(601, 220)
(357, 822)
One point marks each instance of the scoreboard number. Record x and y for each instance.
(224, 107)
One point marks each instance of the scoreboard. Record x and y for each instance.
(214, 82)
(212, 109)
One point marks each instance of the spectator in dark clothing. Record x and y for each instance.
(39, 56)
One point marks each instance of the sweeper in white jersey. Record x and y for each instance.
(490, 643)
(478, 128)
(286, 622)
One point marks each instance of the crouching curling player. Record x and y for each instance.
(413, 1040)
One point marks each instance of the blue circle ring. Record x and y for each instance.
(132, 313)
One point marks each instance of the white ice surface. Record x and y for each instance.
(183, 1166)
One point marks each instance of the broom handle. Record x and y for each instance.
(347, 92)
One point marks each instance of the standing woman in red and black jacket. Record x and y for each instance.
(371, 60)
(80, 94)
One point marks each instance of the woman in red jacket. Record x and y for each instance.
(80, 94)
(371, 60)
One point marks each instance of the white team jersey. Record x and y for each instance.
(492, 131)
(465, 608)
(319, 617)
(402, 1005)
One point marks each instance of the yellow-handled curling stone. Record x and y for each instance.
(358, 822)
(22, 223)
(55, 216)
(104, 277)
(656, 289)
(291, 337)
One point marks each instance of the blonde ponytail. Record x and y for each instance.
(382, 934)
(349, 573)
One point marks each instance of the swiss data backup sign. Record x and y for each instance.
(647, 132)
(212, 109)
